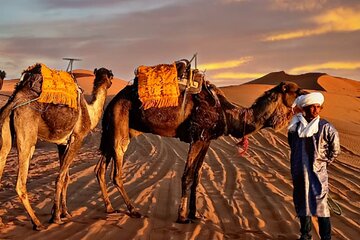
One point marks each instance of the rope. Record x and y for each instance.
(25, 103)
(244, 142)
(334, 206)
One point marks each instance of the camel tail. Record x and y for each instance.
(107, 137)
(107, 140)
(5, 112)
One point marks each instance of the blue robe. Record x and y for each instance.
(309, 160)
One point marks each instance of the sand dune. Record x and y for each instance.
(247, 197)
(85, 79)
(306, 80)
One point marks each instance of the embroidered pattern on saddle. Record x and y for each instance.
(58, 87)
(158, 86)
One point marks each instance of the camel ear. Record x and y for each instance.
(284, 87)
(95, 70)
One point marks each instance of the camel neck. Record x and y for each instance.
(244, 121)
(240, 122)
(96, 106)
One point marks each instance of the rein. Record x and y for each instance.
(243, 144)
(334, 206)
(25, 103)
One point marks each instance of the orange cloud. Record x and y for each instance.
(233, 75)
(225, 64)
(328, 65)
(335, 20)
(299, 5)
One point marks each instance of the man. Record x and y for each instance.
(314, 144)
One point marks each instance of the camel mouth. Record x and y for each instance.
(109, 82)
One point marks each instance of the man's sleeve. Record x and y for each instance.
(332, 137)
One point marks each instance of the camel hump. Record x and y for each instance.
(161, 85)
(52, 86)
(158, 85)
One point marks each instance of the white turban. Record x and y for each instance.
(306, 129)
(309, 99)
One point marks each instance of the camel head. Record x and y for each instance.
(274, 108)
(103, 76)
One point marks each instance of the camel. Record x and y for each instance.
(2, 77)
(206, 116)
(54, 123)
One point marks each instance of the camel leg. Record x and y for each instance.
(121, 147)
(100, 170)
(64, 209)
(26, 140)
(196, 153)
(100, 175)
(197, 174)
(69, 156)
(121, 142)
(6, 145)
(5, 149)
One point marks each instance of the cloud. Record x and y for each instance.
(235, 1)
(236, 75)
(125, 34)
(335, 20)
(225, 64)
(341, 19)
(327, 66)
(82, 3)
(299, 5)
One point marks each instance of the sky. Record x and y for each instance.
(236, 41)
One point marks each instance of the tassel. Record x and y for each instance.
(242, 146)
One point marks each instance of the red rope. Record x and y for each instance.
(243, 144)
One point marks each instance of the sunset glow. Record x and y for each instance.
(328, 65)
(225, 64)
(233, 75)
(336, 20)
(234, 39)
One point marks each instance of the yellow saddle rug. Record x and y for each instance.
(158, 86)
(58, 87)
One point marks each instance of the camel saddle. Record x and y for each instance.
(190, 80)
(160, 86)
(53, 86)
(157, 86)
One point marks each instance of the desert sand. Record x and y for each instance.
(239, 197)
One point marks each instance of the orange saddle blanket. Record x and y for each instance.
(58, 87)
(158, 86)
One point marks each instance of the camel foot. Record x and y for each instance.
(111, 210)
(135, 214)
(182, 220)
(66, 215)
(39, 227)
(56, 220)
(114, 211)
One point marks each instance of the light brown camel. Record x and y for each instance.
(57, 124)
(206, 116)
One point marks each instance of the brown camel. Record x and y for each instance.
(206, 116)
(2, 77)
(59, 124)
